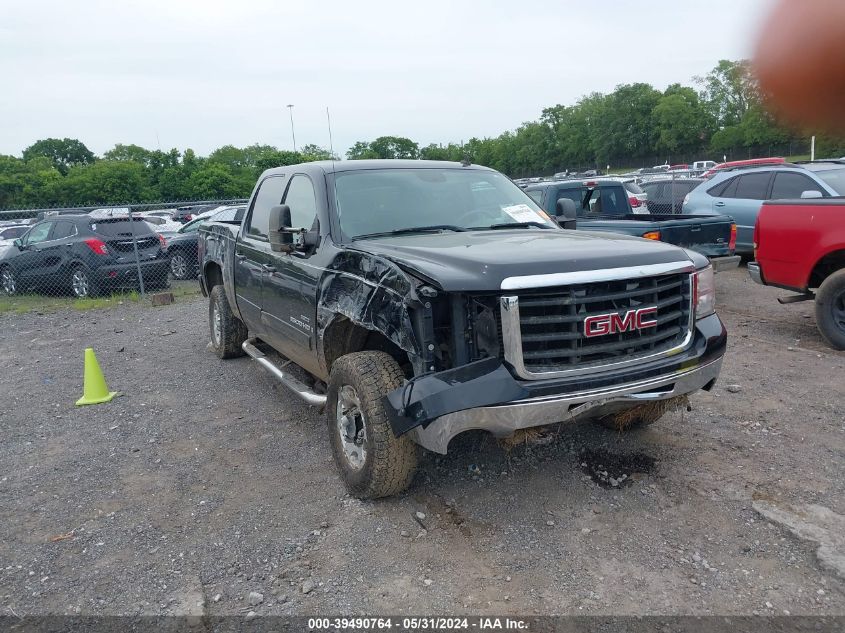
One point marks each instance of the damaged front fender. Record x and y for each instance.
(371, 292)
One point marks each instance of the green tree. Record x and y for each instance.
(384, 147)
(729, 90)
(312, 152)
(63, 153)
(680, 120)
(106, 182)
(213, 181)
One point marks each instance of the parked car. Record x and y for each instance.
(638, 197)
(603, 205)
(703, 165)
(85, 256)
(667, 195)
(733, 165)
(433, 298)
(160, 224)
(9, 233)
(182, 245)
(800, 245)
(739, 194)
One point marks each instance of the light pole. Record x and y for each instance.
(290, 109)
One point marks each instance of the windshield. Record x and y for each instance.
(385, 200)
(835, 179)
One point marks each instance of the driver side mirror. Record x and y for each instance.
(286, 239)
(18, 242)
(566, 214)
(811, 194)
(281, 232)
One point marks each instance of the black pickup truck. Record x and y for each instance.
(426, 299)
(603, 205)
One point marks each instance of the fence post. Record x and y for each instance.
(135, 249)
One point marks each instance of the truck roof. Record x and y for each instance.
(329, 166)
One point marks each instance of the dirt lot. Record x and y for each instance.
(205, 482)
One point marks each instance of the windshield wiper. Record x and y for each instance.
(518, 225)
(434, 228)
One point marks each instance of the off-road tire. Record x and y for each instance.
(390, 461)
(830, 309)
(227, 340)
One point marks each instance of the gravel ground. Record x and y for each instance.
(205, 488)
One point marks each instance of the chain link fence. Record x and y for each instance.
(99, 256)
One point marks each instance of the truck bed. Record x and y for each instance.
(709, 235)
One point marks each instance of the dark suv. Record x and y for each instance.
(84, 255)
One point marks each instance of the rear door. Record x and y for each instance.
(122, 237)
(789, 185)
(253, 257)
(56, 252)
(741, 200)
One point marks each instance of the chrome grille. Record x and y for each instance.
(544, 329)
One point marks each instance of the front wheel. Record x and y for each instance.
(830, 309)
(8, 281)
(227, 331)
(370, 459)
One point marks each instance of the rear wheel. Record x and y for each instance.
(8, 281)
(227, 331)
(179, 266)
(81, 284)
(830, 309)
(370, 459)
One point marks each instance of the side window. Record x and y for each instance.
(574, 195)
(721, 190)
(302, 202)
(269, 195)
(791, 185)
(536, 196)
(38, 233)
(753, 186)
(63, 230)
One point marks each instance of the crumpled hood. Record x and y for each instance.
(477, 261)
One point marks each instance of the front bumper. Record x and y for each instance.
(485, 395)
(755, 273)
(504, 419)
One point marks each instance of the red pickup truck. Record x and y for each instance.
(800, 245)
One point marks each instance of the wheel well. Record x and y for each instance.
(213, 276)
(825, 267)
(344, 337)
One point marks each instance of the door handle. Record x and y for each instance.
(720, 204)
(240, 258)
(268, 269)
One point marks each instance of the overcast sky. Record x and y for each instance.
(201, 74)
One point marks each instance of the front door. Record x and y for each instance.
(289, 309)
(253, 256)
(30, 264)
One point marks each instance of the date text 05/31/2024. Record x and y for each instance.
(417, 624)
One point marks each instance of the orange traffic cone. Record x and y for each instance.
(94, 390)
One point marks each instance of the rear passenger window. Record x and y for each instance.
(63, 230)
(753, 186)
(269, 195)
(790, 185)
(302, 202)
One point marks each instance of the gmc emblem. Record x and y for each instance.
(603, 324)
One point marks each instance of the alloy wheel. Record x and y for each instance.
(351, 426)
